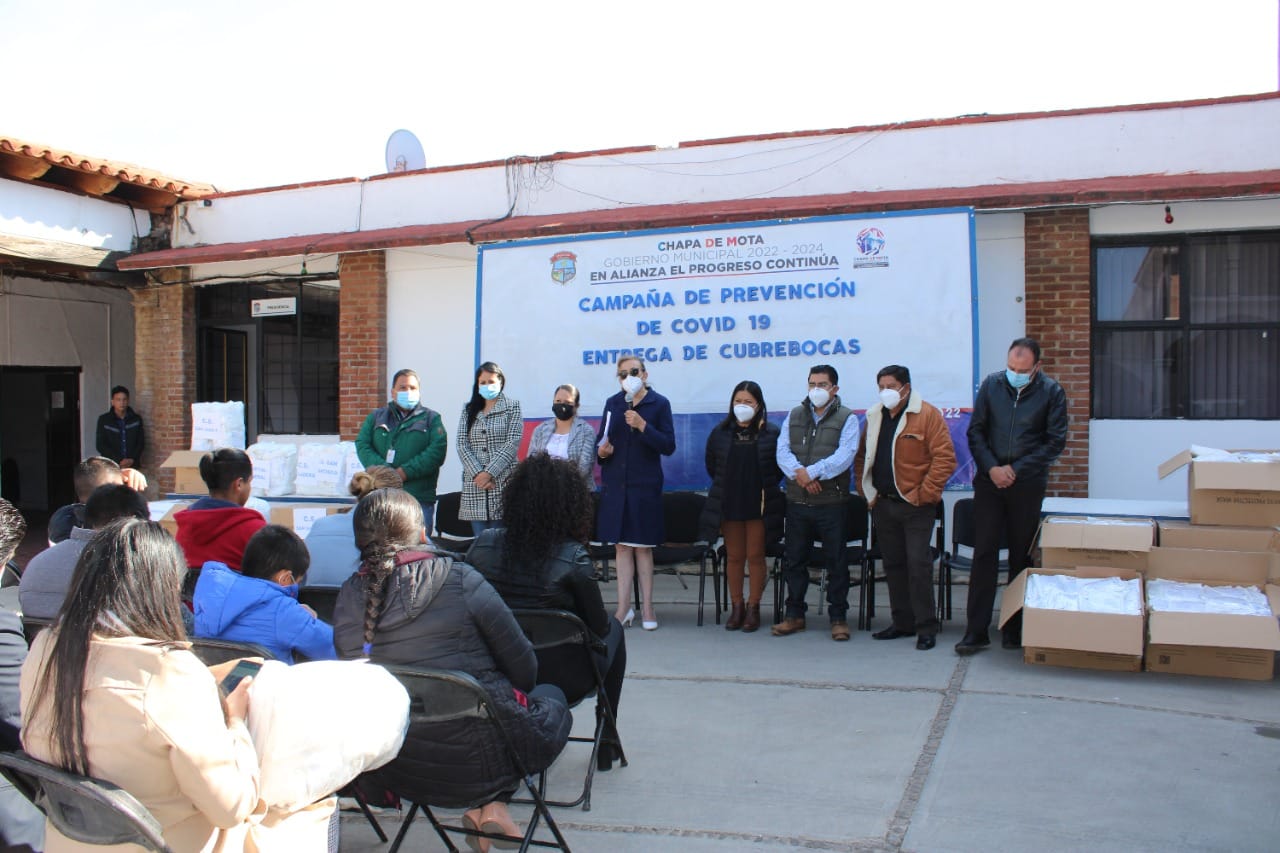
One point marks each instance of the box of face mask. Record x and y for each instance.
(1230, 487)
(1083, 639)
(299, 517)
(1068, 541)
(1223, 645)
(1180, 534)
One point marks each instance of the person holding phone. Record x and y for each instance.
(635, 433)
(112, 691)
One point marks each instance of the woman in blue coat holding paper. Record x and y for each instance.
(636, 431)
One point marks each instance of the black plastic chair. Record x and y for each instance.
(937, 552)
(451, 533)
(681, 512)
(857, 546)
(438, 695)
(11, 574)
(212, 652)
(81, 808)
(563, 635)
(963, 534)
(774, 552)
(321, 599)
(31, 626)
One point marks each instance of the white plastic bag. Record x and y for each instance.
(275, 465)
(320, 469)
(215, 425)
(318, 725)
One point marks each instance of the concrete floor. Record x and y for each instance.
(752, 742)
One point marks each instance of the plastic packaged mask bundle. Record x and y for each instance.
(1090, 595)
(275, 465)
(1179, 597)
(320, 470)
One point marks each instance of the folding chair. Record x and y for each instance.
(451, 533)
(32, 625)
(937, 553)
(213, 652)
(773, 551)
(321, 599)
(963, 534)
(438, 696)
(11, 574)
(857, 547)
(680, 514)
(564, 643)
(83, 809)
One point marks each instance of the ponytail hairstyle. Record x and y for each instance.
(221, 468)
(386, 522)
(373, 477)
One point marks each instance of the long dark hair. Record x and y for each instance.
(762, 412)
(386, 522)
(545, 503)
(127, 583)
(476, 403)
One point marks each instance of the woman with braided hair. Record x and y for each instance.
(410, 606)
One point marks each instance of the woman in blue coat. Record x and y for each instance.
(636, 432)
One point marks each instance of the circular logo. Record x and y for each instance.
(870, 241)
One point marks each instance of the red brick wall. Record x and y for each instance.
(1057, 308)
(362, 339)
(164, 318)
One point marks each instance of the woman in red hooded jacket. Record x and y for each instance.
(219, 526)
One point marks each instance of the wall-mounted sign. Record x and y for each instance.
(281, 307)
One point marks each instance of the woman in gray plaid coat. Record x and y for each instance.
(489, 435)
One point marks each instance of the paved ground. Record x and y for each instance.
(751, 742)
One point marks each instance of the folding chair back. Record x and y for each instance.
(11, 574)
(964, 534)
(213, 652)
(451, 532)
(32, 626)
(81, 808)
(321, 599)
(565, 645)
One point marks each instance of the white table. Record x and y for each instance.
(1163, 510)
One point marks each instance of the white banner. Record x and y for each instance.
(708, 307)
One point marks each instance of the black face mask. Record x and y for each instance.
(563, 411)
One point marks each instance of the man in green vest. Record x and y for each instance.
(815, 450)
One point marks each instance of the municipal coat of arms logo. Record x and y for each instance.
(870, 241)
(564, 266)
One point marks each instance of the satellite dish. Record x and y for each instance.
(404, 152)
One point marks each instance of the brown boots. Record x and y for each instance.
(745, 617)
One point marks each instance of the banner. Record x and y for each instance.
(707, 307)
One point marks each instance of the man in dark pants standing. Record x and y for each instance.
(904, 460)
(1019, 427)
(815, 451)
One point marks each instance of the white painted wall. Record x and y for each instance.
(56, 324)
(1001, 287)
(31, 212)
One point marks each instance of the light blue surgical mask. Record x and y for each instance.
(291, 590)
(406, 399)
(1018, 380)
(491, 391)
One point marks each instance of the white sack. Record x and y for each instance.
(215, 425)
(319, 470)
(274, 467)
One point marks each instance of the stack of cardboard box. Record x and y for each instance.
(1233, 539)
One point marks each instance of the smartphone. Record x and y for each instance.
(240, 672)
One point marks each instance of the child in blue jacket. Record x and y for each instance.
(259, 604)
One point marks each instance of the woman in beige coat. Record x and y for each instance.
(113, 691)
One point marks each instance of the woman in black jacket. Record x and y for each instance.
(744, 503)
(411, 607)
(540, 561)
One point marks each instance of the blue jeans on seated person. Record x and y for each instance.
(478, 527)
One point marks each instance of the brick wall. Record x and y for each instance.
(1057, 310)
(362, 339)
(164, 320)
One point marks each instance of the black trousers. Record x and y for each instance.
(1014, 512)
(903, 533)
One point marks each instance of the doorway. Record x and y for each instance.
(39, 436)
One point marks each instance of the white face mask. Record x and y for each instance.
(744, 413)
(890, 397)
(819, 397)
(632, 384)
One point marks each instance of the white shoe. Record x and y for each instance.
(629, 618)
(649, 626)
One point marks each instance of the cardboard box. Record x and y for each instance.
(1244, 494)
(186, 471)
(1083, 640)
(1213, 644)
(300, 516)
(168, 522)
(1180, 534)
(1068, 541)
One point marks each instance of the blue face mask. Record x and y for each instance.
(490, 392)
(406, 399)
(1018, 380)
(291, 590)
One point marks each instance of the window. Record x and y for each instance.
(1187, 327)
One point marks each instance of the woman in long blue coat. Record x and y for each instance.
(636, 432)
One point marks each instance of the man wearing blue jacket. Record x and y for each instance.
(260, 603)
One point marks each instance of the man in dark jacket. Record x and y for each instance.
(120, 437)
(1019, 427)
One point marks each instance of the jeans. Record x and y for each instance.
(1016, 511)
(478, 527)
(428, 516)
(826, 525)
(903, 532)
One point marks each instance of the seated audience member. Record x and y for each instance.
(21, 824)
(540, 561)
(90, 474)
(113, 691)
(331, 540)
(44, 582)
(260, 603)
(218, 527)
(412, 607)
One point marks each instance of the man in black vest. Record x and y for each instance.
(815, 450)
(1018, 429)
